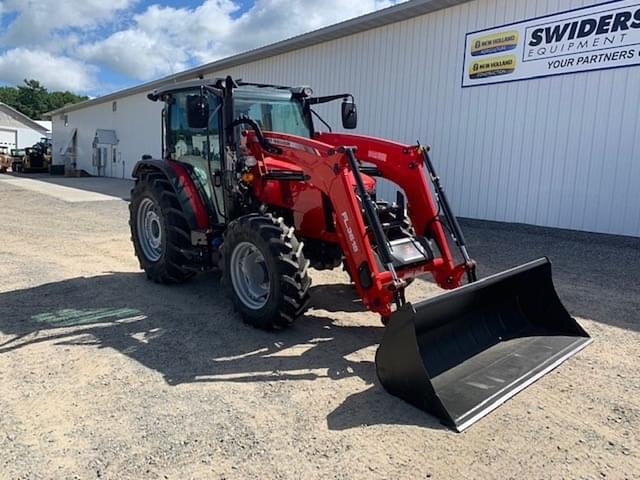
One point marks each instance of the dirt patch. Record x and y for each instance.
(104, 374)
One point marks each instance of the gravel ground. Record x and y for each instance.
(104, 374)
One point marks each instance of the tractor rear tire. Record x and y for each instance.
(159, 230)
(265, 271)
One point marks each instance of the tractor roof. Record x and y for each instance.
(218, 84)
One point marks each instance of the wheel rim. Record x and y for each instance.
(149, 230)
(249, 275)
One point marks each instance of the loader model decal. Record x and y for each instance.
(352, 238)
(584, 39)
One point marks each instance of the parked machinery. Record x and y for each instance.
(250, 185)
(5, 159)
(17, 159)
(38, 157)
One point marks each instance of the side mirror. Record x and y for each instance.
(197, 111)
(349, 115)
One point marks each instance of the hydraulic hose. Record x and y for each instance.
(451, 219)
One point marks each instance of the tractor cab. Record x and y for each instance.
(204, 120)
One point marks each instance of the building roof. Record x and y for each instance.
(386, 16)
(44, 124)
(22, 118)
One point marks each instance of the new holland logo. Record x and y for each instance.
(492, 66)
(494, 43)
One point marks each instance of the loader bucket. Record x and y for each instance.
(462, 354)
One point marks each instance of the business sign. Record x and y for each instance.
(589, 38)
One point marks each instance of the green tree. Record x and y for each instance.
(60, 99)
(33, 99)
(9, 95)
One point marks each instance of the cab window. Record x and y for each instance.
(274, 114)
(190, 145)
(187, 143)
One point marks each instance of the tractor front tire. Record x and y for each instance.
(159, 230)
(265, 271)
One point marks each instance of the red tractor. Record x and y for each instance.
(250, 185)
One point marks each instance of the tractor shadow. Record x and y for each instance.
(190, 334)
(336, 297)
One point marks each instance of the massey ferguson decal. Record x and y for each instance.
(591, 38)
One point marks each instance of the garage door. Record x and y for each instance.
(8, 138)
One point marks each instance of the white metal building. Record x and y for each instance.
(558, 147)
(19, 131)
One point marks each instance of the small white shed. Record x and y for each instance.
(19, 131)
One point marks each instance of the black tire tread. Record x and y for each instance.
(171, 268)
(292, 267)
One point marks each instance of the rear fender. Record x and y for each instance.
(183, 186)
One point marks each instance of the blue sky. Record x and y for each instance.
(97, 46)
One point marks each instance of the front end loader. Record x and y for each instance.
(248, 184)
(37, 158)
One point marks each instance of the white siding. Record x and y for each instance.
(559, 151)
(27, 137)
(8, 138)
(136, 122)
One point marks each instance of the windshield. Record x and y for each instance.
(273, 111)
(17, 153)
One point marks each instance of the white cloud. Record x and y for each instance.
(165, 40)
(54, 72)
(36, 20)
(63, 42)
(136, 54)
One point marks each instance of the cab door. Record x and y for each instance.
(199, 148)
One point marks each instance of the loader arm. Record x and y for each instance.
(327, 168)
(404, 165)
